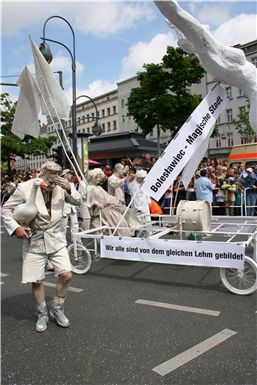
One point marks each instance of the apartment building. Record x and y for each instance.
(228, 136)
(112, 112)
(116, 108)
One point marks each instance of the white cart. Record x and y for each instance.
(223, 230)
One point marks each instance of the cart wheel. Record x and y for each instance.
(241, 282)
(80, 263)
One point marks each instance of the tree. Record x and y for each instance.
(242, 125)
(11, 145)
(163, 96)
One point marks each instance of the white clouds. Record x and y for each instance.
(103, 19)
(64, 64)
(214, 14)
(220, 17)
(143, 52)
(96, 88)
(97, 18)
(18, 16)
(241, 29)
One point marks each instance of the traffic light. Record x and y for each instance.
(58, 154)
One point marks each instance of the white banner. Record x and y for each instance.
(25, 120)
(186, 143)
(175, 252)
(53, 94)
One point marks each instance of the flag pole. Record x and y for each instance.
(63, 131)
(65, 136)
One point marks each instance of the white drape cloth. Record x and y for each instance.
(26, 114)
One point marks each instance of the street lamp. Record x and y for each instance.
(97, 128)
(83, 139)
(46, 52)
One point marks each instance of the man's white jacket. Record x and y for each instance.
(48, 232)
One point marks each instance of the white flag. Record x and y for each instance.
(186, 144)
(52, 93)
(194, 161)
(25, 120)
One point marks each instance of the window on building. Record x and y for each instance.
(97, 114)
(88, 130)
(108, 111)
(79, 120)
(229, 115)
(88, 117)
(114, 125)
(218, 143)
(114, 110)
(254, 61)
(243, 140)
(230, 141)
(123, 118)
(84, 130)
(122, 103)
(103, 127)
(241, 92)
(109, 126)
(255, 139)
(83, 119)
(93, 115)
(103, 112)
(218, 120)
(229, 92)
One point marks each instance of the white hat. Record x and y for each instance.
(67, 171)
(51, 166)
(141, 174)
(249, 169)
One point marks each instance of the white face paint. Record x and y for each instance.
(49, 178)
(120, 170)
(97, 179)
(140, 180)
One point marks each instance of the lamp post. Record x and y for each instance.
(46, 52)
(97, 128)
(84, 138)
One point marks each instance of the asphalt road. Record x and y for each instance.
(132, 323)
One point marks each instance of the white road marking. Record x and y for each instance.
(213, 313)
(71, 288)
(3, 275)
(188, 355)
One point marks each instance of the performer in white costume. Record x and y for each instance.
(47, 240)
(226, 64)
(140, 200)
(116, 182)
(110, 208)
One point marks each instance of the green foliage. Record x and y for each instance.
(243, 127)
(163, 96)
(10, 143)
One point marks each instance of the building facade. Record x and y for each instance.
(112, 113)
(219, 146)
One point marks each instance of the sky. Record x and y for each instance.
(113, 39)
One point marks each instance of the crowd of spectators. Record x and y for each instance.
(233, 191)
